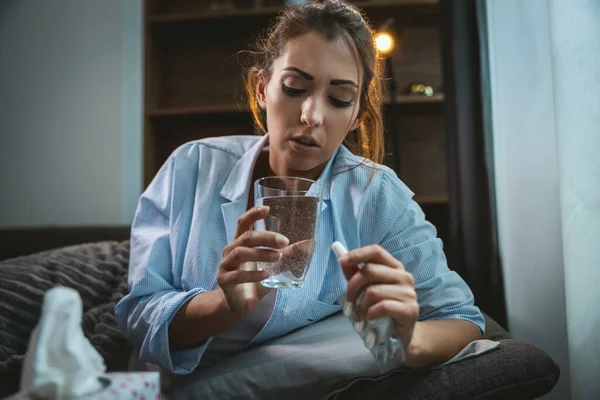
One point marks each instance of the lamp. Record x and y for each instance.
(385, 41)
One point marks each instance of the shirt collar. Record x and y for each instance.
(324, 180)
(238, 182)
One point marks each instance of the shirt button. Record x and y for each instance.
(287, 311)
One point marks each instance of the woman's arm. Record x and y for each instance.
(406, 277)
(202, 317)
(389, 291)
(158, 306)
(154, 299)
(211, 313)
(437, 341)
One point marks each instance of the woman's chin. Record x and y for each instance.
(304, 167)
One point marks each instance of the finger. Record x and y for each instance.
(373, 254)
(300, 249)
(241, 276)
(349, 270)
(376, 293)
(247, 220)
(376, 274)
(400, 312)
(241, 255)
(257, 239)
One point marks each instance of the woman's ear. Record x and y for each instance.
(357, 121)
(261, 89)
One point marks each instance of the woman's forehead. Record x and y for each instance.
(320, 57)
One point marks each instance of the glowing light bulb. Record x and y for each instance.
(384, 43)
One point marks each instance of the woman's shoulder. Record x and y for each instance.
(370, 194)
(219, 146)
(367, 185)
(358, 171)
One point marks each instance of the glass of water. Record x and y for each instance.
(295, 205)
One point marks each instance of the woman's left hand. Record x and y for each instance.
(389, 290)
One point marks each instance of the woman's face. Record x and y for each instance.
(311, 101)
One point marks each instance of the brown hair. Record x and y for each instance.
(333, 19)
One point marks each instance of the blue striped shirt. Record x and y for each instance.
(188, 214)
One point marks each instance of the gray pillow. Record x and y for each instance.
(98, 271)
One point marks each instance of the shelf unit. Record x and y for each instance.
(186, 11)
(193, 85)
(241, 107)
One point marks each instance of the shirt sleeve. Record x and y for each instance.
(153, 300)
(410, 238)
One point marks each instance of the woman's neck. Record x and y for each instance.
(278, 168)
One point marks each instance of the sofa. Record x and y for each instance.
(93, 260)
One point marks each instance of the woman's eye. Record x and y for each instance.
(291, 91)
(339, 103)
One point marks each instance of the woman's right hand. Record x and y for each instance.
(238, 276)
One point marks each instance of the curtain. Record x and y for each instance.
(575, 55)
(544, 80)
(472, 247)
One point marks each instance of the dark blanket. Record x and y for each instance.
(98, 271)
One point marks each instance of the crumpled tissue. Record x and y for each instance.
(61, 363)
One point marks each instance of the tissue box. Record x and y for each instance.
(123, 386)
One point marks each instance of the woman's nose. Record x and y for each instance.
(312, 113)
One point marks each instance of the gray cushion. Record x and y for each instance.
(98, 271)
(516, 370)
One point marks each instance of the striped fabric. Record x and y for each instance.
(188, 215)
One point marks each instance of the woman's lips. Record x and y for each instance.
(301, 147)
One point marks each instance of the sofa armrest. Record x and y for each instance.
(493, 330)
(16, 242)
(515, 370)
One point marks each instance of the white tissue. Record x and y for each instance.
(61, 363)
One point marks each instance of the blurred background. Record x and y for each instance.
(492, 119)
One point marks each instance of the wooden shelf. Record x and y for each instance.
(417, 99)
(430, 6)
(233, 108)
(199, 17)
(199, 110)
(193, 88)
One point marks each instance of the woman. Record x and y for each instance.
(315, 82)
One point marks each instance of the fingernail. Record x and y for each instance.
(263, 208)
(276, 256)
(281, 240)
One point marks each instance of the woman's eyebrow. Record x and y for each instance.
(309, 77)
(304, 74)
(337, 82)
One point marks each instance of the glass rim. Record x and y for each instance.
(295, 178)
(311, 184)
